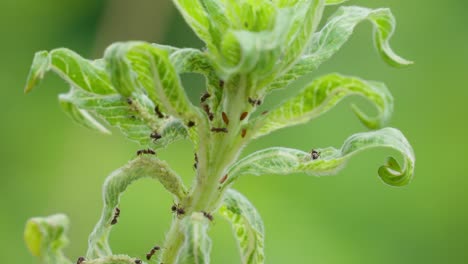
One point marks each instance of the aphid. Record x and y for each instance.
(129, 101)
(225, 118)
(146, 151)
(219, 129)
(116, 216)
(314, 154)
(208, 215)
(264, 112)
(221, 83)
(152, 252)
(243, 132)
(155, 136)
(223, 179)
(137, 261)
(243, 116)
(158, 112)
(80, 260)
(133, 117)
(190, 124)
(204, 97)
(177, 209)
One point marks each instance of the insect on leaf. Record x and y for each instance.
(287, 161)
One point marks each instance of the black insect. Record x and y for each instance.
(129, 101)
(152, 252)
(155, 136)
(255, 102)
(208, 215)
(158, 112)
(190, 124)
(146, 151)
(80, 260)
(225, 118)
(177, 209)
(116, 216)
(195, 165)
(315, 154)
(137, 261)
(243, 116)
(221, 83)
(219, 129)
(207, 110)
(243, 132)
(204, 97)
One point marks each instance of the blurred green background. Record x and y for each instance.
(49, 164)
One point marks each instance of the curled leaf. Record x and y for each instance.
(46, 237)
(279, 160)
(247, 226)
(336, 33)
(323, 94)
(116, 184)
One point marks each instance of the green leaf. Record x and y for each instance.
(115, 259)
(287, 161)
(336, 33)
(197, 245)
(46, 237)
(335, 2)
(141, 65)
(117, 183)
(308, 17)
(321, 95)
(247, 226)
(81, 116)
(137, 120)
(75, 70)
(196, 17)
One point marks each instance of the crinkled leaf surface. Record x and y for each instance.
(247, 226)
(197, 244)
(321, 95)
(336, 33)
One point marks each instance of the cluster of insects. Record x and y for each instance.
(176, 208)
(116, 216)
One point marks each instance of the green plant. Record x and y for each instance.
(253, 47)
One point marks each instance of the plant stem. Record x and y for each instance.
(216, 152)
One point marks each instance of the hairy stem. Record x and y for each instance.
(174, 241)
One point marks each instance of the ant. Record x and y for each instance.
(204, 97)
(207, 110)
(155, 136)
(219, 130)
(152, 252)
(80, 260)
(137, 261)
(208, 215)
(255, 102)
(146, 151)
(314, 154)
(190, 124)
(129, 101)
(195, 165)
(116, 216)
(158, 112)
(221, 83)
(177, 209)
